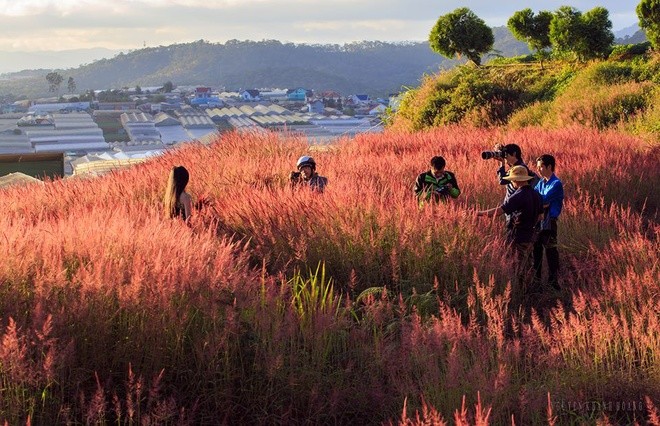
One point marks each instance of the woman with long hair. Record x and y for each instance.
(177, 202)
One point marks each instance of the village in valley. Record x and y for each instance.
(102, 130)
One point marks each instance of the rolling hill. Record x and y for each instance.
(373, 67)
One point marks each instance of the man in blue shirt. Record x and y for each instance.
(552, 193)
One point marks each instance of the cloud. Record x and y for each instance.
(127, 24)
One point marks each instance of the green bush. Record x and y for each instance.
(607, 73)
(618, 109)
(532, 115)
(468, 95)
(646, 68)
(624, 51)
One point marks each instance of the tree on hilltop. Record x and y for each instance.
(648, 12)
(461, 32)
(168, 87)
(534, 30)
(586, 36)
(598, 30)
(71, 85)
(54, 80)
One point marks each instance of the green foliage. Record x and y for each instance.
(532, 115)
(648, 123)
(522, 59)
(113, 96)
(314, 295)
(461, 32)
(648, 12)
(584, 36)
(597, 32)
(54, 80)
(473, 92)
(602, 95)
(168, 87)
(535, 30)
(71, 85)
(646, 69)
(565, 29)
(626, 51)
(606, 73)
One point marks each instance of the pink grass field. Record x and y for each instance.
(281, 306)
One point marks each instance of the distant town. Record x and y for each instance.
(100, 130)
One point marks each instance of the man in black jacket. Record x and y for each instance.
(524, 207)
(512, 157)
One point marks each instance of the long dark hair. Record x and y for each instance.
(176, 184)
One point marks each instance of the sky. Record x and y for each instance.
(55, 25)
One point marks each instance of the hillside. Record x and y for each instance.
(372, 67)
(618, 93)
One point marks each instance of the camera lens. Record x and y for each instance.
(487, 155)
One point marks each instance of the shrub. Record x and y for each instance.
(532, 115)
(608, 73)
(627, 51)
(602, 108)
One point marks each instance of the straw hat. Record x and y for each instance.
(518, 174)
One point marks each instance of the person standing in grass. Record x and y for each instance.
(307, 175)
(524, 206)
(176, 201)
(512, 157)
(437, 184)
(552, 193)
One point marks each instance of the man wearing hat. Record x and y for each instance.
(306, 175)
(524, 206)
(511, 157)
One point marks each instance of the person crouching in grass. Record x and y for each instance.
(437, 184)
(307, 175)
(176, 201)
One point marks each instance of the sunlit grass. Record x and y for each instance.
(252, 311)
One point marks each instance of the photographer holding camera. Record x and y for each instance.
(509, 155)
(307, 176)
(437, 184)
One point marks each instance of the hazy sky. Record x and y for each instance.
(32, 25)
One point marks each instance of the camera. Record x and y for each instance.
(294, 175)
(487, 155)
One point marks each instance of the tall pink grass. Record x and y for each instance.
(253, 312)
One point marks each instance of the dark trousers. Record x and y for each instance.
(547, 240)
(521, 254)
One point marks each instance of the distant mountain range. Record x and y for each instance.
(15, 61)
(627, 32)
(372, 67)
